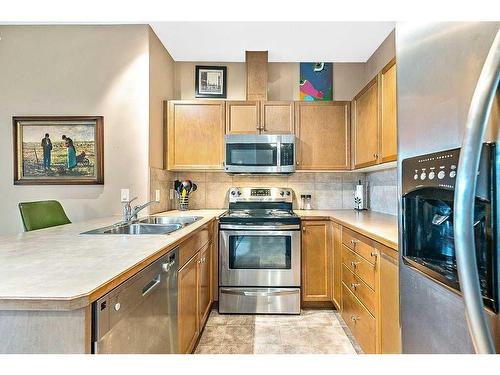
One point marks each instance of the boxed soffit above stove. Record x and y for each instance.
(285, 41)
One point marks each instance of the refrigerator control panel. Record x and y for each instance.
(432, 170)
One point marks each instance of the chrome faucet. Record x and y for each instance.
(130, 214)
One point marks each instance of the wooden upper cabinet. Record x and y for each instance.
(195, 134)
(277, 117)
(365, 125)
(388, 117)
(323, 132)
(316, 260)
(242, 117)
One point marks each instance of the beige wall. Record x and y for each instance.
(382, 55)
(77, 70)
(161, 88)
(283, 82)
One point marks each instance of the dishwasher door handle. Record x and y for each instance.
(258, 293)
(151, 285)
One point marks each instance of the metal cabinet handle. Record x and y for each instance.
(354, 242)
(354, 264)
(297, 162)
(375, 155)
(354, 286)
(303, 229)
(465, 186)
(374, 254)
(354, 318)
(151, 285)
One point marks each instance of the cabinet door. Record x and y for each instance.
(316, 260)
(390, 333)
(365, 113)
(277, 118)
(337, 266)
(195, 134)
(323, 131)
(205, 277)
(242, 117)
(188, 305)
(388, 121)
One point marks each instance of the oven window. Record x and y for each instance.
(260, 252)
(251, 154)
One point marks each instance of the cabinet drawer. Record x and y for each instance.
(194, 243)
(359, 320)
(359, 245)
(359, 289)
(359, 266)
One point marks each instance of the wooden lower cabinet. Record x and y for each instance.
(316, 261)
(187, 287)
(337, 266)
(359, 320)
(390, 331)
(194, 287)
(205, 285)
(370, 292)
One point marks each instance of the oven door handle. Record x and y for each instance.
(260, 227)
(247, 293)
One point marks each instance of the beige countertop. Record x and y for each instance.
(380, 227)
(58, 268)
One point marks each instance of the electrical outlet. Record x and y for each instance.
(124, 195)
(171, 195)
(157, 195)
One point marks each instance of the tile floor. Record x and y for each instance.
(312, 332)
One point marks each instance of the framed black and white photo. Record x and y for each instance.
(210, 81)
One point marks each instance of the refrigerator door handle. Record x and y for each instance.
(477, 120)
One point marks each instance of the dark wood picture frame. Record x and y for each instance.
(222, 69)
(99, 151)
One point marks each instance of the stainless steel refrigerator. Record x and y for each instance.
(448, 106)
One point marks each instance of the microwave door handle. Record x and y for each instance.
(475, 128)
(278, 162)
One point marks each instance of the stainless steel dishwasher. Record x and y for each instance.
(139, 315)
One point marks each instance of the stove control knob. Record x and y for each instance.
(453, 174)
(423, 175)
(238, 193)
(431, 175)
(288, 193)
(233, 192)
(441, 175)
(282, 193)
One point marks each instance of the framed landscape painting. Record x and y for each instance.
(58, 150)
(210, 81)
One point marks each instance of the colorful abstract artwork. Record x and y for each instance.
(316, 81)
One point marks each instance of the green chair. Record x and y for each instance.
(42, 214)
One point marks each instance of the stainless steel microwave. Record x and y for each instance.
(259, 154)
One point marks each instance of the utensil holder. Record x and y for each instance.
(182, 203)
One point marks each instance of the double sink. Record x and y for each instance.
(148, 225)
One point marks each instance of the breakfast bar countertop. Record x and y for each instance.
(380, 227)
(59, 268)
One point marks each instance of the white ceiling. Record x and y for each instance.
(285, 41)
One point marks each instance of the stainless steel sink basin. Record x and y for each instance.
(182, 220)
(148, 225)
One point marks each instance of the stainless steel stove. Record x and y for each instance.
(259, 253)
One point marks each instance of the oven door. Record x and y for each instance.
(259, 257)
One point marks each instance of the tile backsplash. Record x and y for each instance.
(329, 190)
(383, 191)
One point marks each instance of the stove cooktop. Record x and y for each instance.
(259, 216)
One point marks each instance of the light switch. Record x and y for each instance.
(157, 195)
(125, 195)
